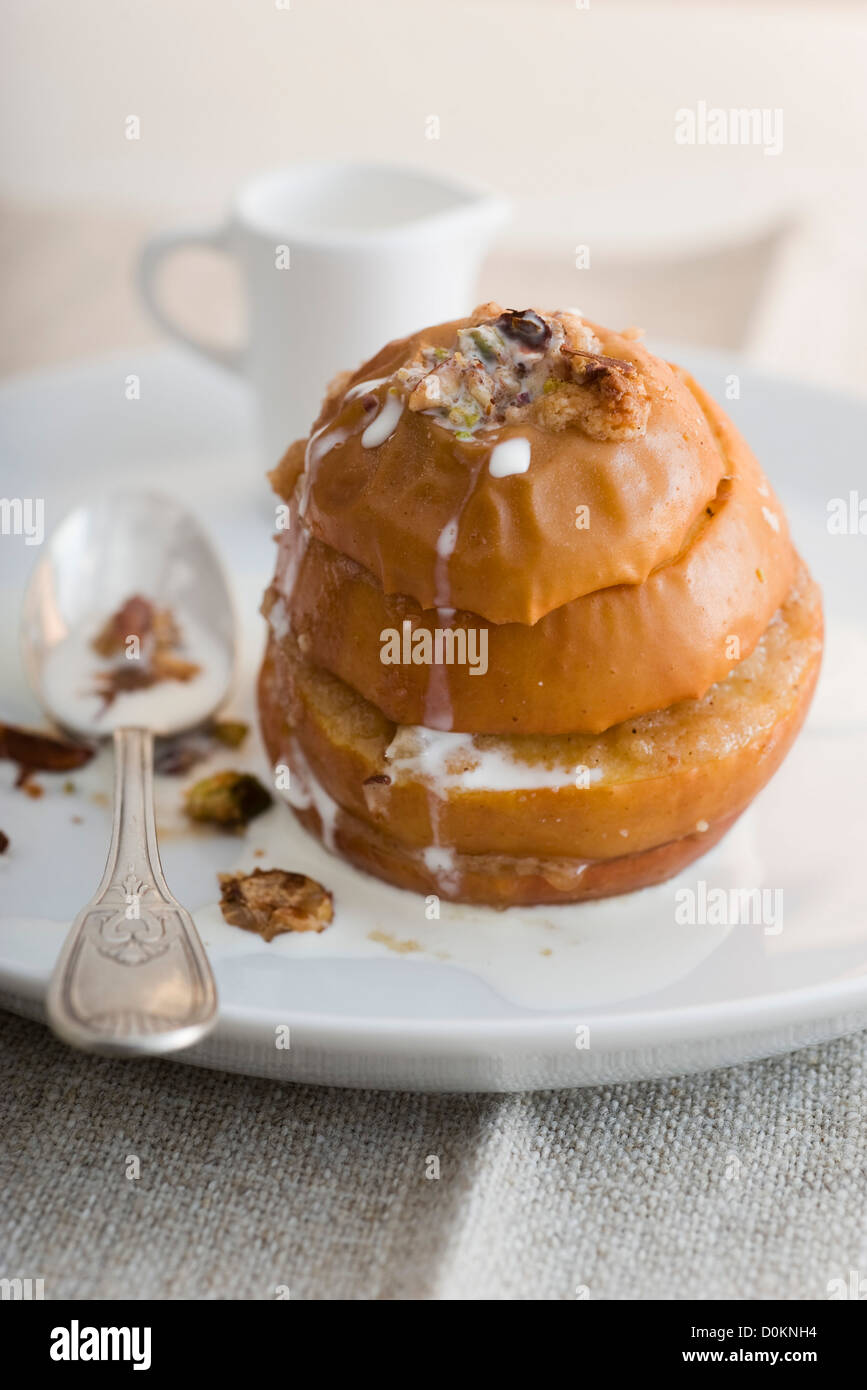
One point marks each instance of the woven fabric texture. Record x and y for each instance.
(748, 1183)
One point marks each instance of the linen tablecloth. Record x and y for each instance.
(747, 1183)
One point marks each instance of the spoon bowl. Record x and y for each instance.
(100, 555)
(132, 976)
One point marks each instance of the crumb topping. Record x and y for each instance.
(159, 641)
(273, 901)
(512, 365)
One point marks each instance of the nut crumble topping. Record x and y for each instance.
(273, 901)
(511, 365)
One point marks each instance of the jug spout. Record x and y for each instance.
(448, 235)
(470, 214)
(411, 241)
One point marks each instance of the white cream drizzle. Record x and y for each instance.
(305, 791)
(279, 620)
(442, 862)
(439, 859)
(289, 562)
(318, 446)
(362, 387)
(383, 427)
(509, 457)
(448, 539)
(431, 751)
(438, 712)
(446, 542)
(320, 442)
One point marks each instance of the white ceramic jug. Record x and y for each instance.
(336, 258)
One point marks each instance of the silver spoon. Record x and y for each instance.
(132, 975)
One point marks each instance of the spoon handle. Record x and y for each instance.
(132, 976)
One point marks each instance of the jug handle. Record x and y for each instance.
(153, 254)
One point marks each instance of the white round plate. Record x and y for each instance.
(475, 1000)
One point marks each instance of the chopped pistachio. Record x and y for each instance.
(231, 732)
(231, 799)
(459, 415)
(487, 342)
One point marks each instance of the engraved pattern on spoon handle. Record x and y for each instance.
(132, 975)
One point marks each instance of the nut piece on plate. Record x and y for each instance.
(230, 732)
(230, 799)
(37, 752)
(273, 901)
